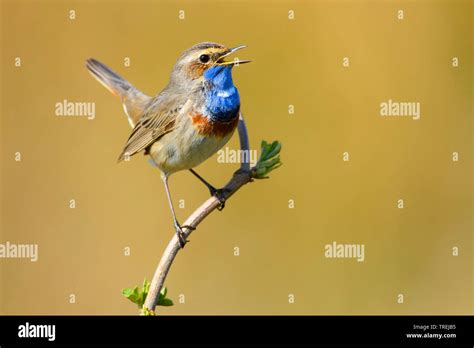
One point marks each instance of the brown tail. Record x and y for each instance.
(134, 101)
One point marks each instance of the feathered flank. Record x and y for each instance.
(154, 124)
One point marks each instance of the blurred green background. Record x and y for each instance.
(295, 62)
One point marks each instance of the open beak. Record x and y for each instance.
(236, 61)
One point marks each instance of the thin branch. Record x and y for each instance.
(244, 143)
(239, 179)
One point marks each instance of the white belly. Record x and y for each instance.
(184, 148)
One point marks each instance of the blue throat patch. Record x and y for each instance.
(222, 97)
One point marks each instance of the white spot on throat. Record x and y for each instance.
(223, 93)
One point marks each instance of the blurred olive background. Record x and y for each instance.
(295, 62)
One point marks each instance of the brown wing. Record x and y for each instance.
(156, 122)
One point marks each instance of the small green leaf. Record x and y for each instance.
(166, 302)
(274, 150)
(127, 292)
(138, 294)
(162, 300)
(269, 159)
(272, 162)
(264, 148)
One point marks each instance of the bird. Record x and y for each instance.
(187, 122)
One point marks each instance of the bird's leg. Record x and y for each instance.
(214, 192)
(211, 188)
(177, 226)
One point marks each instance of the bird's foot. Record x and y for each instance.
(181, 235)
(219, 194)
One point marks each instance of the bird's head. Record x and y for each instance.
(204, 61)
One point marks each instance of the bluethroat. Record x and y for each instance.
(188, 121)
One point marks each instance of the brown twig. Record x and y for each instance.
(239, 179)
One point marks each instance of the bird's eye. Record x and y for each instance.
(204, 58)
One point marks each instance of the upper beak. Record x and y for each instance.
(236, 61)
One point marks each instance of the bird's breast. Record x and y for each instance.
(206, 126)
(219, 114)
(194, 139)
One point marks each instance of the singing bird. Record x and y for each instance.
(188, 121)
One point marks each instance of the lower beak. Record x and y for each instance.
(236, 61)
